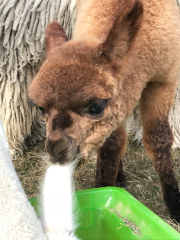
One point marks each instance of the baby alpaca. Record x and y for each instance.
(122, 53)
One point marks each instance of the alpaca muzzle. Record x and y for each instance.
(61, 151)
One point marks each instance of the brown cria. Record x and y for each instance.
(121, 53)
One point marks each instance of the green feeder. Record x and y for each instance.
(112, 213)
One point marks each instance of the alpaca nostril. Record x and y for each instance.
(61, 146)
(56, 148)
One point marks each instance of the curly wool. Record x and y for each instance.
(22, 32)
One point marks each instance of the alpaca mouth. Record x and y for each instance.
(66, 156)
(62, 156)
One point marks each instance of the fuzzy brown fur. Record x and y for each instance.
(122, 52)
(109, 160)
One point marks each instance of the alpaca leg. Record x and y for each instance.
(155, 104)
(109, 165)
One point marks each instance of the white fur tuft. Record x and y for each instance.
(58, 203)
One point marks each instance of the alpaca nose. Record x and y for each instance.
(56, 149)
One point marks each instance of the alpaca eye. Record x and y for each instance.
(42, 110)
(96, 107)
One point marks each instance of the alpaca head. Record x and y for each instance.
(76, 87)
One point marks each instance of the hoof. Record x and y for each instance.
(172, 200)
(101, 185)
(121, 184)
(175, 218)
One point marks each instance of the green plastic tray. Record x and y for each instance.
(103, 211)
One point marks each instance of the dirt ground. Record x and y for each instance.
(141, 179)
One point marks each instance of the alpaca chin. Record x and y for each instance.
(58, 202)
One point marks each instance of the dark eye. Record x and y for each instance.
(42, 110)
(96, 107)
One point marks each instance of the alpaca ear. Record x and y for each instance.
(123, 31)
(55, 36)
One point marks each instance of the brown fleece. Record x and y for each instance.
(109, 159)
(122, 52)
(158, 138)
